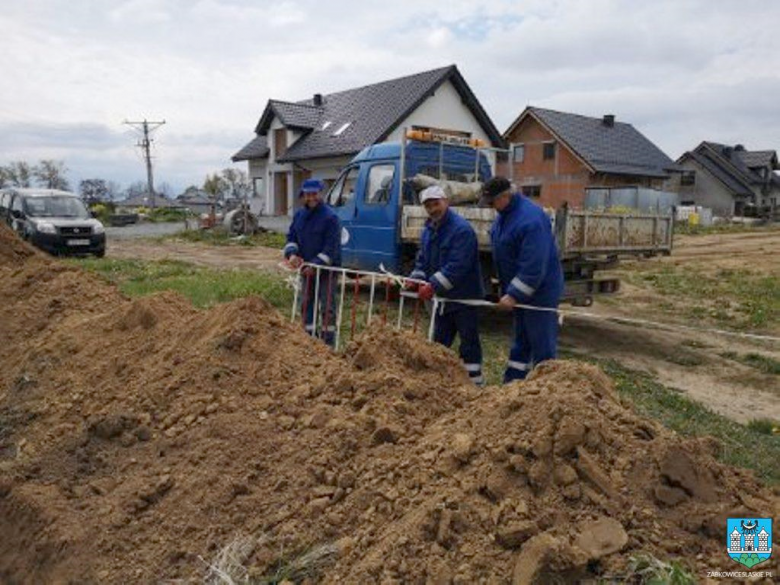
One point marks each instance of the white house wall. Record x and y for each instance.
(444, 109)
(707, 191)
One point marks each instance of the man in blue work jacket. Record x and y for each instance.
(314, 239)
(529, 272)
(448, 262)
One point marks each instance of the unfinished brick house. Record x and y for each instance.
(556, 156)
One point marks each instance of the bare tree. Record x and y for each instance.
(135, 189)
(216, 186)
(19, 174)
(237, 182)
(51, 174)
(94, 190)
(165, 190)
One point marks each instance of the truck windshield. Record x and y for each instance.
(55, 206)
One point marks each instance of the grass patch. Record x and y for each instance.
(684, 358)
(652, 571)
(740, 299)
(204, 287)
(166, 214)
(724, 228)
(764, 426)
(743, 445)
(220, 237)
(763, 363)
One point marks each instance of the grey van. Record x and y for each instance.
(55, 221)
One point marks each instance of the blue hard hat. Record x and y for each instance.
(312, 186)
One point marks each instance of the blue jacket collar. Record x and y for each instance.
(514, 203)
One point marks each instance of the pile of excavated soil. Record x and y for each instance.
(145, 440)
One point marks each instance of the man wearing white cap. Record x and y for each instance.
(448, 262)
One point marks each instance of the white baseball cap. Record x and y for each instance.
(432, 192)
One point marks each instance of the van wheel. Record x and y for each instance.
(100, 254)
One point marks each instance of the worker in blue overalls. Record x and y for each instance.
(314, 239)
(529, 272)
(448, 262)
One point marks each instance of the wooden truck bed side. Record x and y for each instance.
(578, 232)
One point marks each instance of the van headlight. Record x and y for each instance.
(45, 227)
(98, 228)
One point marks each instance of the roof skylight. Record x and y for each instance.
(341, 129)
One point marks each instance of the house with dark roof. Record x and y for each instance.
(731, 180)
(317, 137)
(556, 156)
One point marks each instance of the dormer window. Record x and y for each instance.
(341, 129)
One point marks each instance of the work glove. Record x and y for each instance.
(411, 285)
(426, 292)
(295, 261)
(307, 272)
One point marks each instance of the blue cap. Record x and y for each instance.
(312, 186)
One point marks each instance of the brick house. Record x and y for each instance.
(317, 137)
(555, 156)
(730, 180)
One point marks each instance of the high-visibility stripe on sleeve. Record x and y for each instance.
(325, 258)
(522, 287)
(443, 280)
(417, 275)
(290, 248)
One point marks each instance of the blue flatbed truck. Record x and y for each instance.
(382, 219)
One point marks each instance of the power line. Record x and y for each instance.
(147, 128)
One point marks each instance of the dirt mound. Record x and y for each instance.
(146, 440)
(13, 250)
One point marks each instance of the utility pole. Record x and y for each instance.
(145, 143)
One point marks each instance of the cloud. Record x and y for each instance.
(680, 71)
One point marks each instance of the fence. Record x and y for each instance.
(331, 305)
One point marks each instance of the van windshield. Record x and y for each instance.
(55, 206)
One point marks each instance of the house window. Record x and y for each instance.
(258, 187)
(518, 153)
(688, 178)
(280, 142)
(548, 152)
(343, 191)
(532, 191)
(380, 183)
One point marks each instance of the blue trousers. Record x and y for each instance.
(536, 340)
(463, 321)
(327, 301)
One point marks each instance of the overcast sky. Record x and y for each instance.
(74, 70)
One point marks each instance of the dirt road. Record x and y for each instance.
(201, 254)
(696, 363)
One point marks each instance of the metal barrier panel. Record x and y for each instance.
(324, 299)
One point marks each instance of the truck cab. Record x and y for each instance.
(369, 195)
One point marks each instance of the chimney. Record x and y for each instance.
(608, 120)
(728, 151)
(739, 148)
(317, 99)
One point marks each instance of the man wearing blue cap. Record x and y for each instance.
(449, 263)
(314, 239)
